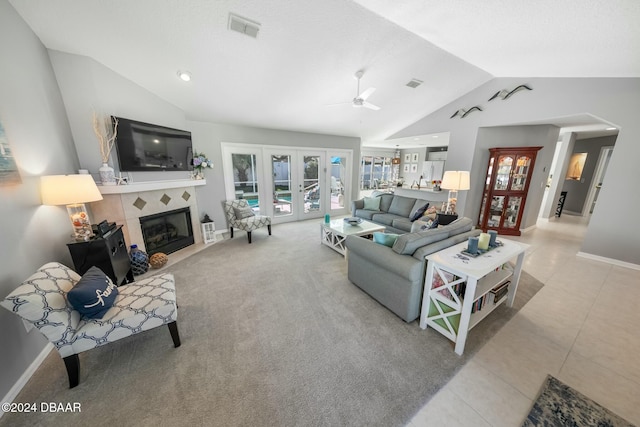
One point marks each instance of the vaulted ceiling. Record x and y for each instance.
(307, 51)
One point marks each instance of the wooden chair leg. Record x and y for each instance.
(231, 229)
(173, 329)
(269, 228)
(249, 236)
(72, 363)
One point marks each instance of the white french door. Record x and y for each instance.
(288, 183)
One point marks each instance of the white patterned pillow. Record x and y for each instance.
(242, 213)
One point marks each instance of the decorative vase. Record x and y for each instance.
(139, 260)
(107, 176)
(198, 174)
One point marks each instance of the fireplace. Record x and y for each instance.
(167, 232)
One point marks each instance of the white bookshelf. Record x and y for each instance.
(458, 289)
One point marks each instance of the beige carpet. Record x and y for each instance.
(273, 334)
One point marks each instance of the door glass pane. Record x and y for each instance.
(282, 186)
(311, 184)
(511, 213)
(495, 211)
(367, 170)
(338, 171)
(245, 179)
(519, 176)
(502, 175)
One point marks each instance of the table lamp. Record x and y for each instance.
(454, 181)
(73, 191)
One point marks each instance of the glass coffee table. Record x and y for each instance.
(334, 233)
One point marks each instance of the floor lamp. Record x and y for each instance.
(454, 181)
(73, 191)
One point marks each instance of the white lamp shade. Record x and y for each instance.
(68, 189)
(456, 180)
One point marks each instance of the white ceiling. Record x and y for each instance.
(307, 52)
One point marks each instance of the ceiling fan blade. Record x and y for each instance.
(338, 104)
(367, 93)
(370, 106)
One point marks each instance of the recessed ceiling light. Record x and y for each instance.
(611, 129)
(416, 139)
(184, 76)
(157, 141)
(434, 136)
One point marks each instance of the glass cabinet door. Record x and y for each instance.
(512, 210)
(519, 175)
(495, 211)
(503, 172)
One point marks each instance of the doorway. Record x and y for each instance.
(598, 178)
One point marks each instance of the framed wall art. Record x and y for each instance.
(407, 158)
(414, 168)
(9, 174)
(406, 167)
(414, 157)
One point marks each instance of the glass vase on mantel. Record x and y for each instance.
(107, 175)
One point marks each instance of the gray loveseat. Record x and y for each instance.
(394, 276)
(394, 212)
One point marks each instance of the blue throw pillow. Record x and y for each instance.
(372, 203)
(419, 212)
(387, 239)
(94, 294)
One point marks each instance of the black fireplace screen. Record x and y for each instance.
(167, 232)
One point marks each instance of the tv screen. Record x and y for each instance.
(147, 147)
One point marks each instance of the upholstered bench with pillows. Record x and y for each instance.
(77, 314)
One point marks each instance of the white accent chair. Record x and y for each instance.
(139, 306)
(250, 223)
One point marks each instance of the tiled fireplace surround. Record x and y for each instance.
(125, 204)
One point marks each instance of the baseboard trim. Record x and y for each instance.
(528, 229)
(26, 375)
(609, 260)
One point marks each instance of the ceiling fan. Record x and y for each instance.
(361, 98)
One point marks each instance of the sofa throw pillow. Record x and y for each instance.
(430, 224)
(94, 294)
(418, 214)
(245, 212)
(386, 239)
(431, 213)
(372, 203)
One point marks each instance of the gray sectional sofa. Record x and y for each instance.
(394, 276)
(394, 211)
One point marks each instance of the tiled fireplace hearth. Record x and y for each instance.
(126, 204)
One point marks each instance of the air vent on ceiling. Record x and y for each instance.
(243, 25)
(414, 83)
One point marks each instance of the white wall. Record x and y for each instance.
(88, 86)
(33, 116)
(615, 100)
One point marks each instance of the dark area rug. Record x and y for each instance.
(273, 334)
(562, 406)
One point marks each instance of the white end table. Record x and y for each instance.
(335, 233)
(459, 290)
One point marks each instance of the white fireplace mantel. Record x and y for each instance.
(126, 204)
(137, 187)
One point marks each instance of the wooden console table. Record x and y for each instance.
(460, 291)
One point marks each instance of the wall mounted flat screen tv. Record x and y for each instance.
(147, 147)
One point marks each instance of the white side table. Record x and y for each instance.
(460, 291)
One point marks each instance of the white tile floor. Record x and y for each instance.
(582, 328)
